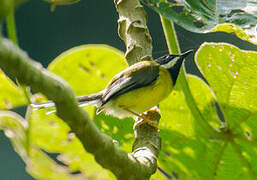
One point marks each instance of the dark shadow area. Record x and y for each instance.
(12, 166)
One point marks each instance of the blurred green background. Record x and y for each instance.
(44, 35)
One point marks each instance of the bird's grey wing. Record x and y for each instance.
(130, 80)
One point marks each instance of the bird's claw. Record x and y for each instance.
(144, 120)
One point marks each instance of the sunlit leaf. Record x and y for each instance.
(232, 29)
(53, 135)
(187, 153)
(187, 150)
(231, 74)
(88, 68)
(11, 95)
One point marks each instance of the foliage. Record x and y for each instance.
(188, 150)
(202, 16)
(226, 100)
(11, 94)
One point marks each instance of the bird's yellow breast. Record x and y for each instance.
(144, 98)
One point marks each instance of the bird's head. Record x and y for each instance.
(173, 62)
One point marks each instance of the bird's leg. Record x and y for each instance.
(143, 119)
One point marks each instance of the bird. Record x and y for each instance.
(134, 90)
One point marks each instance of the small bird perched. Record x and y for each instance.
(135, 89)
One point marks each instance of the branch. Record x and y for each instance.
(133, 30)
(138, 165)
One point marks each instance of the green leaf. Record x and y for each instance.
(51, 134)
(87, 69)
(11, 95)
(38, 163)
(231, 74)
(41, 166)
(230, 166)
(187, 151)
(201, 16)
(233, 29)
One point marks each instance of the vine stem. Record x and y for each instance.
(173, 45)
(170, 35)
(11, 27)
(12, 34)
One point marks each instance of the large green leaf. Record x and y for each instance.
(231, 74)
(11, 95)
(201, 16)
(87, 69)
(186, 150)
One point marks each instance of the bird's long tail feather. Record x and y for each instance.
(93, 99)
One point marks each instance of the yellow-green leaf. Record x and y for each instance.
(232, 29)
(11, 95)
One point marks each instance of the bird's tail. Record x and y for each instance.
(93, 99)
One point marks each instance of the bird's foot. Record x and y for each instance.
(146, 117)
(143, 119)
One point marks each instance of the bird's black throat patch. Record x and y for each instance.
(174, 71)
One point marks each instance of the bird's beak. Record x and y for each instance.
(185, 54)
